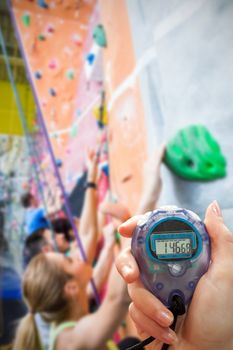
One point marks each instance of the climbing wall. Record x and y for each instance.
(16, 175)
(164, 69)
(9, 115)
(127, 132)
(56, 42)
(172, 60)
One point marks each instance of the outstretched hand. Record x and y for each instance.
(208, 322)
(117, 211)
(92, 166)
(152, 182)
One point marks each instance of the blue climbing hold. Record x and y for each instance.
(105, 168)
(100, 124)
(90, 58)
(52, 92)
(58, 163)
(42, 4)
(38, 75)
(78, 112)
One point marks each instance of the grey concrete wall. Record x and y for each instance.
(184, 54)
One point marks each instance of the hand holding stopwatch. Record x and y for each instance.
(172, 249)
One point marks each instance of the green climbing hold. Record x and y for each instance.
(70, 74)
(41, 37)
(117, 237)
(26, 19)
(74, 131)
(99, 36)
(194, 154)
(35, 128)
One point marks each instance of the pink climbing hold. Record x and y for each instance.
(44, 103)
(50, 28)
(77, 39)
(52, 64)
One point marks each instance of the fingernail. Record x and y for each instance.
(170, 337)
(216, 208)
(165, 317)
(126, 270)
(122, 226)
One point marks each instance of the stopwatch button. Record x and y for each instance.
(192, 285)
(144, 219)
(169, 207)
(176, 269)
(159, 286)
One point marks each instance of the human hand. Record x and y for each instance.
(150, 316)
(152, 182)
(202, 327)
(117, 211)
(92, 166)
(109, 235)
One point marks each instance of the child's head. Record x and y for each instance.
(38, 242)
(28, 200)
(39, 237)
(52, 285)
(43, 288)
(63, 234)
(55, 287)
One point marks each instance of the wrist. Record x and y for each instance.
(90, 184)
(91, 178)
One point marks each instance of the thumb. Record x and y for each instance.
(220, 236)
(127, 266)
(126, 229)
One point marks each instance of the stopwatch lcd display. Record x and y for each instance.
(173, 240)
(174, 246)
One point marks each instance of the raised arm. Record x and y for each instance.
(88, 222)
(105, 261)
(103, 323)
(152, 182)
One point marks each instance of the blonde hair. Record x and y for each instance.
(43, 289)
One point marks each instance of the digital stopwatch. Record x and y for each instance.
(172, 249)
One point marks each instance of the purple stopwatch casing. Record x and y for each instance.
(172, 249)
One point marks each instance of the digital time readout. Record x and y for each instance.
(174, 246)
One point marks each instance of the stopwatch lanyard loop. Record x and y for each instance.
(178, 309)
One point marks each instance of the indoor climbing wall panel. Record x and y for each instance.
(9, 114)
(56, 40)
(127, 133)
(84, 132)
(16, 175)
